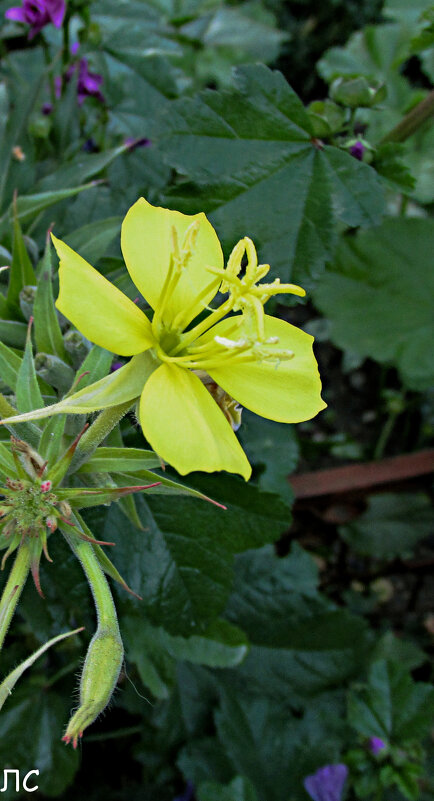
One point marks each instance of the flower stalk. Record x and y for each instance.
(412, 121)
(105, 654)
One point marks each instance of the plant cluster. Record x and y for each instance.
(199, 199)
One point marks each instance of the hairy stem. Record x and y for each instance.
(98, 431)
(412, 121)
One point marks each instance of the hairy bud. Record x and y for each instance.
(100, 673)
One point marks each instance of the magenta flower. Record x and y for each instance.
(89, 83)
(327, 783)
(376, 744)
(38, 13)
(357, 150)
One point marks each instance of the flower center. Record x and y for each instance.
(245, 339)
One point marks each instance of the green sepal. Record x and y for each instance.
(119, 387)
(81, 498)
(165, 485)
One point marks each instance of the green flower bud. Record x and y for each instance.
(327, 117)
(39, 125)
(54, 371)
(100, 673)
(357, 92)
(77, 346)
(27, 299)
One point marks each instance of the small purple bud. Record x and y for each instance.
(376, 744)
(47, 109)
(327, 783)
(89, 83)
(90, 146)
(131, 142)
(116, 366)
(357, 150)
(58, 84)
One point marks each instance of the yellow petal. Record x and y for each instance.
(146, 242)
(289, 391)
(184, 425)
(97, 308)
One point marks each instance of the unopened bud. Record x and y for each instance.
(54, 371)
(65, 508)
(46, 486)
(77, 346)
(51, 523)
(27, 299)
(100, 673)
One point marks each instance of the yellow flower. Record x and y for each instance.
(191, 361)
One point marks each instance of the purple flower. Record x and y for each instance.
(357, 150)
(187, 795)
(327, 783)
(116, 365)
(38, 13)
(376, 744)
(89, 83)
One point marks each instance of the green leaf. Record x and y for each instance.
(255, 169)
(92, 240)
(389, 163)
(185, 572)
(7, 464)
(10, 365)
(108, 460)
(17, 120)
(28, 206)
(391, 526)
(31, 726)
(156, 652)
(21, 273)
(10, 681)
(13, 333)
(240, 789)
(77, 171)
(96, 365)
(378, 296)
(27, 390)
(48, 336)
(309, 646)
(391, 706)
(273, 448)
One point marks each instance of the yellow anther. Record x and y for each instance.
(252, 261)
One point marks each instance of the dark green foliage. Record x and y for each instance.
(271, 638)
